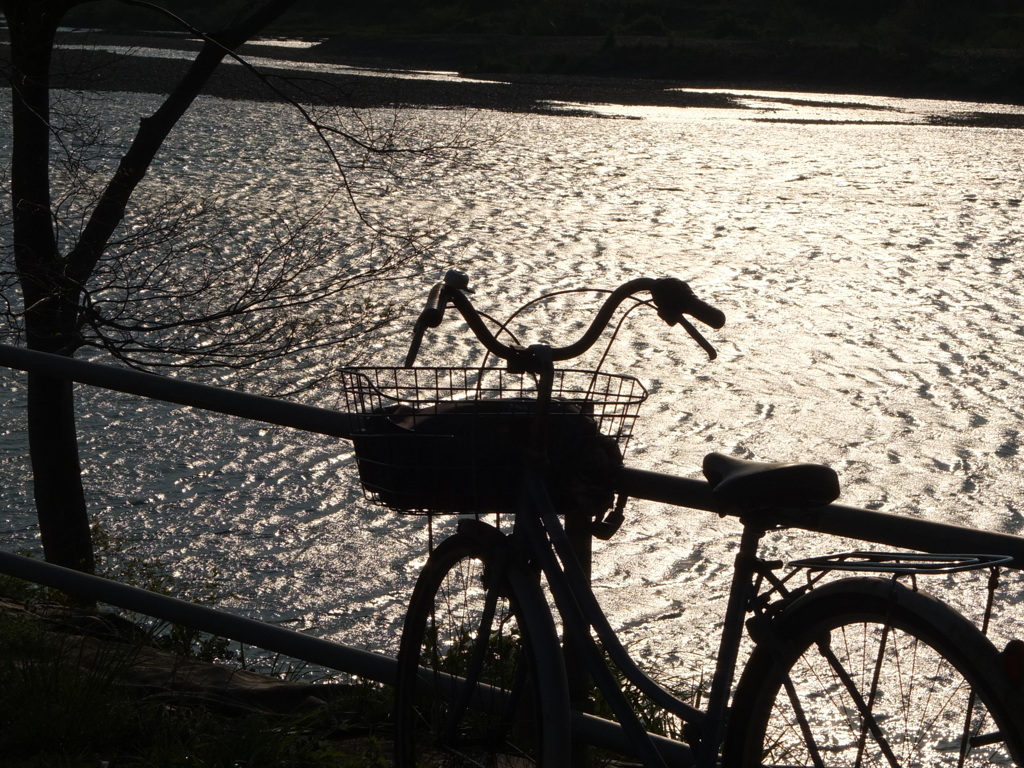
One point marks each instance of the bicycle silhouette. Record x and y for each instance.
(850, 663)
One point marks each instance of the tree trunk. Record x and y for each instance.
(50, 302)
(56, 472)
(52, 283)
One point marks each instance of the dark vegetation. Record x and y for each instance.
(915, 47)
(83, 687)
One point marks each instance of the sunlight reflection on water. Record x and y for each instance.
(871, 275)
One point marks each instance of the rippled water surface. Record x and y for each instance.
(869, 263)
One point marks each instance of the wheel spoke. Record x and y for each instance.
(467, 691)
(868, 724)
(477, 656)
(857, 674)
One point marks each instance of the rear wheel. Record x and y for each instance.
(867, 672)
(480, 675)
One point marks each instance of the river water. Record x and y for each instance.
(868, 260)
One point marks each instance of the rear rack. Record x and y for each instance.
(900, 562)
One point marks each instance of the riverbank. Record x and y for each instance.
(355, 78)
(971, 75)
(526, 74)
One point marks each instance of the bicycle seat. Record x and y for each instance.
(740, 485)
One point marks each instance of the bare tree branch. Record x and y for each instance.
(178, 283)
(109, 211)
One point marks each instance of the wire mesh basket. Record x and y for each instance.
(452, 440)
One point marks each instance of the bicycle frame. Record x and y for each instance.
(538, 524)
(544, 536)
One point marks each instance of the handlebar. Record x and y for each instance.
(673, 299)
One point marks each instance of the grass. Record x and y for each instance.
(68, 701)
(503, 649)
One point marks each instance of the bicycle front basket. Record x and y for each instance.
(451, 440)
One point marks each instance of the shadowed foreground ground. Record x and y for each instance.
(86, 688)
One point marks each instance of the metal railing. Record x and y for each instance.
(308, 418)
(372, 666)
(331, 655)
(364, 664)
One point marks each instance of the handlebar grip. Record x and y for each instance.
(433, 312)
(707, 314)
(430, 317)
(673, 298)
(414, 345)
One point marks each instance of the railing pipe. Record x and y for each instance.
(372, 666)
(364, 664)
(908, 532)
(122, 379)
(834, 519)
(866, 525)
